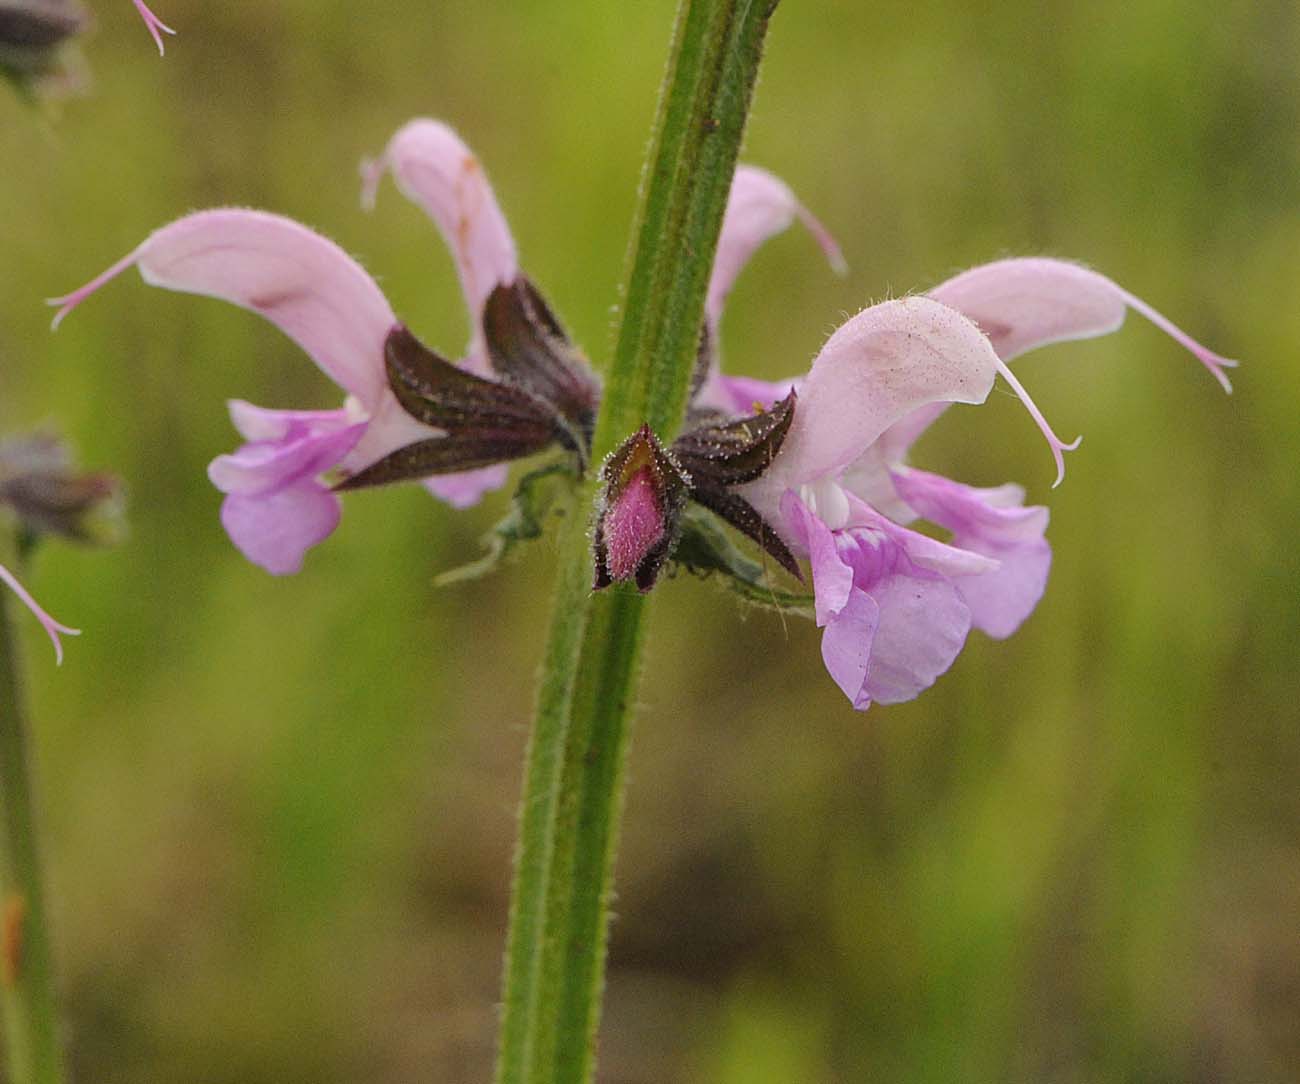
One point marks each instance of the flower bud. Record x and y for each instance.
(48, 495)
(640, 511)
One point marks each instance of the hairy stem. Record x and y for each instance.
(573, 782)
(32, 1051)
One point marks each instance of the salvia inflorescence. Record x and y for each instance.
(812, 468)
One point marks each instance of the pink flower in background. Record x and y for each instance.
(895, 604)
(154, 24)
(52, 627)
(276, 504)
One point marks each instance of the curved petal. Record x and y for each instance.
(847, 646)
(917, 618)
(832, 577)
(436, 170)
(253, 422)
(1022, 304)
(922, 629)
(995, 523)
(918, 549)
(52, 628)
(883, 363)
(306, 285)
(275, 530)
(759, 206)
(263, 467)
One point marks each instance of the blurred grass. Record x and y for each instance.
(280, 811)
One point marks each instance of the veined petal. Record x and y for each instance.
(1022, 304)
(759, 206)
(880, 365)
(436, 170)
(921, 550)
(992, 522)
(306, 285)
(53, 628)
(904, 620)
(275, 530)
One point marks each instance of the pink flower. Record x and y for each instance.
(52, 627)
(154, 24)
(277, 505)
(895, 604)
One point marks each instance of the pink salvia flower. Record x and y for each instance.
(759, 206)
(53, 628)
(155, 25)
(895, 604)
(277, 505)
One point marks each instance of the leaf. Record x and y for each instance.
(705, 550)
(542, 494)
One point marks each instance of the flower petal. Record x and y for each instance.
(832, 577)
(275, 530)
(847, 646)
(759, 206)
(466, 489)
(992, 522)
(53, 628)
(306, 450)
(922, 628)
(253, 422)
(436, 170)
(309, 287)
(880, 365)
(1022, 304)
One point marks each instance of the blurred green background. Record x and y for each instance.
(280, 811)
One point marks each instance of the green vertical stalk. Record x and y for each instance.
(32, 1051)
(555, 958)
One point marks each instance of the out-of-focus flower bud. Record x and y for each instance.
(46, 494)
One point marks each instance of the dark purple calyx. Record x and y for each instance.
(47, 494)
(483, 421)
(720, 456)
(640, 511)
(530, 350)
(39, 24)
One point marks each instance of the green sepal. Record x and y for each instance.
(705, 550)
(543, 494)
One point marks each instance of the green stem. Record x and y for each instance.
(573, 789)
(33, 1054)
